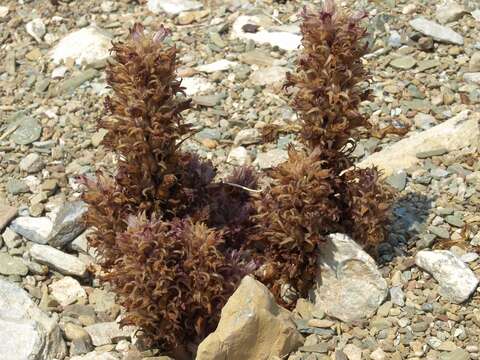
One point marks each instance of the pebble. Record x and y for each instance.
(403, 63)
(108, 333)
(173, 7)
(68, 223)
(220, 65)
(271, 158)
(436, 31)
(32, 163)
(449, 11)
(7, 214)
(36, 29)
(62, 262)
(239, 156)
(398, 180)
(397, 296)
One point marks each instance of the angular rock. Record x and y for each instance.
(7, 214)
(67, 291)
(238, 156)
(283, 39)
(474, 64)
(89, 45)
(247, 137)
(64, 263)
(349, 285)
(251, 327)
(473, 77)
(436, 31)
(68, 224)
(25, 331)
(457, 281)
(108, 333)
(36, 229)
(36, 29)
(403, 63)
(12, 265)
(172, 7)
(456, 133)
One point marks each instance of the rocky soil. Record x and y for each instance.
(418, 300)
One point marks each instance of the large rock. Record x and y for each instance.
(88, 45)
(68, 224)
(449, 11)
(26, 333)
(457, 281)
(252, 327)
(458, 132)
(7, 214)
(349, 285)
(62, 262)
(436, 31)
(283, 39)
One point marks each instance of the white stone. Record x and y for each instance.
(271, 158)
(378, 354)
(456, 133)
(409, 9)
(476, 14)
(31, 163)
(473, 77)
(26, 332)
(436, 31)
(172, 7)
(59, 72)
(4, 11)
(89, 45)
(252, 327)
(36, 29)
(457, 281)
(268, 76)
(238, 156)
(449, 11)
(220, 65)
(36, 229)
(196, 84)
(62, 262)
(283, 39)
(67, 291)
(349, 285)
(469, 257)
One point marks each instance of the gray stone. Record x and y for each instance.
(16, 187)
(11, 238)
(398, 180)
(449, 11)
(207, 100)
(474, 65)
(220, 65)
(69, 85)
(436, 31)
(456, 279)
(101, 300)
(403, 63)
(469, 257)
(26, 333)
(36, 229)
(108, 333)
(349, 285)
(426, 241)
(397, 296)
(269, 76)
(173, 7)
(12, 265)
(68, 224)
(424, 121)
(457, 354)
(98, 355)
(439, 231)
(36, 29)
(31, 163)
(239, 156)
(395, 39)
(7, 214)
(454, 221)
(64, 263)
(271, 158)
(27, 131)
